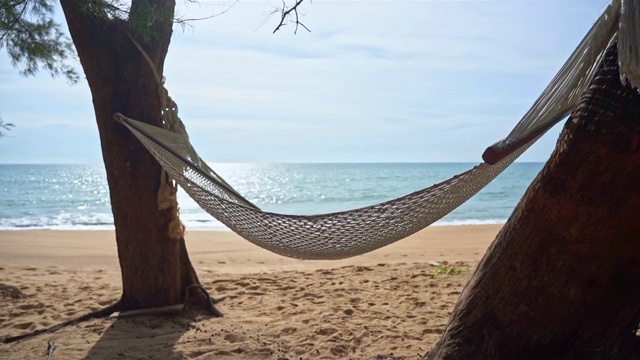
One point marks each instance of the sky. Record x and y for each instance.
(374, 81)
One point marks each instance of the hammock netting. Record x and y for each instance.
(325, 236)
(350, 233)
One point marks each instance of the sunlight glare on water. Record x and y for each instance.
(77, 197)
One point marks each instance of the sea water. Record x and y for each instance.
(76, 197)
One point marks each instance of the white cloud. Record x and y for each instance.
(373, 81)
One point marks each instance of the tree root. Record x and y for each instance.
(207, 301)
(171, 309)
(204, 300)
(102, 313)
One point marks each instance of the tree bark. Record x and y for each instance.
(155, 266)
(562, 278)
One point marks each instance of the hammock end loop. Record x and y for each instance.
(120, 118)
(495, 153)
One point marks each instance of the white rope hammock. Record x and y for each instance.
(629, 43)
(351, 233)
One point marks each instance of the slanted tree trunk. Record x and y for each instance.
(155, 266)
(562, 278)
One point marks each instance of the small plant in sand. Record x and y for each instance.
(447, 270)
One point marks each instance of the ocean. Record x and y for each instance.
(76, 197)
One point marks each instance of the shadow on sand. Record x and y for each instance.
(143, 337)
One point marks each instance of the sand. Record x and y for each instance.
(388, 304)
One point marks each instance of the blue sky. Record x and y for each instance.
(375, 81)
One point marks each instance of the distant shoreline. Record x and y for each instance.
(97, 249)
(222, 229)
(75, 197)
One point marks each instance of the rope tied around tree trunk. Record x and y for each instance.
(167, 197)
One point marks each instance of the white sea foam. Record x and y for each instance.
(64, 197)
(62, 221)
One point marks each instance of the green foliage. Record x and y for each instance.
(447, 270)
(4, 126)
(143, 17)
(103, 9)
(140, 15)
(33, 40)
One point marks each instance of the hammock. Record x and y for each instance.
(350, 233)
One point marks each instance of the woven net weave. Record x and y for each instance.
(350, 233)
(326, 236)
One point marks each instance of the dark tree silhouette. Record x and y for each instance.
(562, 278)
(155, 266)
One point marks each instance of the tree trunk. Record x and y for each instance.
(155, 266)
(562, 278)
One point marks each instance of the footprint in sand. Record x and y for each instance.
(348, 312)
(326, 331)
(288, 331)
(24, 325)
(362, 268)
(31, 306)
(340, 350)
(431, 331)
(233, 338)
(286, 288)
(222, 288)
(11, 292)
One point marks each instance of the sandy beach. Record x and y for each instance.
(388, 304)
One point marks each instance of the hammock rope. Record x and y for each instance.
(560, 96)
(350, 233)
(628, 43)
